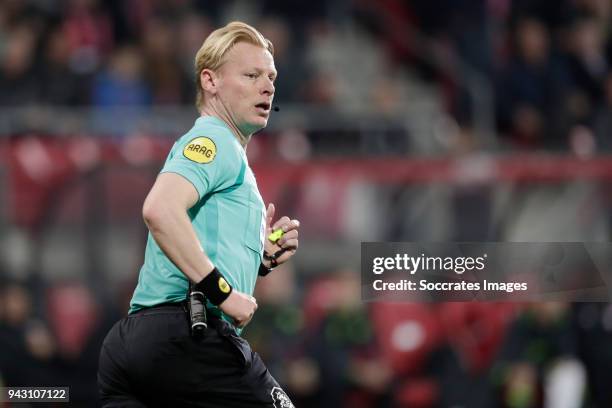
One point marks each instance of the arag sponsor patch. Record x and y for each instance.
(200, 150)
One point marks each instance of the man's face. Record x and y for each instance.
(246, 86)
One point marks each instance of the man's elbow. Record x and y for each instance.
(151, 213)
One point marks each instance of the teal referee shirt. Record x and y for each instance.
(229, 218)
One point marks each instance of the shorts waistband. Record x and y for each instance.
(169, 306)
(173, 307)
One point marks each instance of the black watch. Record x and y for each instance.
(264, 270)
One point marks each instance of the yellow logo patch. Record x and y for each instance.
(200, 150)
(223, 286)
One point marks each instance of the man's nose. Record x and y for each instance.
(268, 87)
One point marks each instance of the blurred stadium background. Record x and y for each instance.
(422, 120)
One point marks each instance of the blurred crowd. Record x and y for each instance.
(544, 65)
(137, 52)
(51, 336)
(547, 63)
(332, 350)
(329, 349)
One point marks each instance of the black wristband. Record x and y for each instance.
(272, 258)
(263, 270)
(215, 287)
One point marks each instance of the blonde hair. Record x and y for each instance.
(212, 53)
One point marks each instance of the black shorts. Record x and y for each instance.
(149, 359)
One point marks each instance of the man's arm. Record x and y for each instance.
(165, 214)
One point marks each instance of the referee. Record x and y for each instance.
(209, 235)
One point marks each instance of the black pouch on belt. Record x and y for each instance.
(197, 312)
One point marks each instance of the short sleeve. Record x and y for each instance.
(210, 163)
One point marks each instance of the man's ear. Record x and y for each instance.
(209, 80)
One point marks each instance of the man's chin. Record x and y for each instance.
(262, 121)
(259, 124)
(256, 126)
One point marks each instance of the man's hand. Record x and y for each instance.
(285, 247)
(240, 306)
